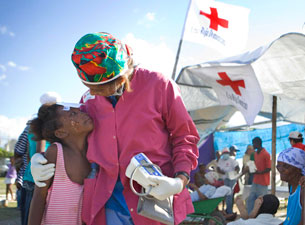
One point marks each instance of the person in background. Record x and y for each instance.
(227, 165)
(212, 166)
(261, 178)
(214, 163)
(21, 161)
(296, 140)
(199, 177)
(249, 155)
(207, 191)
(265, 207)
(233, 149)
(9, 180)
(134, 110)
(291, 166)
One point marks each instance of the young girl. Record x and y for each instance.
(67, 128)
(291, 165)
(10, 178)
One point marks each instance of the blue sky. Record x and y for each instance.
(37, 39)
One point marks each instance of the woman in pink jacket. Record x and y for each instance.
(134, 110)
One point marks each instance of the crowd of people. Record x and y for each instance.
(127, 110)
(259, 207)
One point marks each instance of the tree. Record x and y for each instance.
(5, 154)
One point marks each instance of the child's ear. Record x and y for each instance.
(61, 133)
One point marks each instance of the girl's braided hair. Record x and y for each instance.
(46, 123)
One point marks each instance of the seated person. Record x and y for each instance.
(262, 214)
(208, 190)
(199, 177)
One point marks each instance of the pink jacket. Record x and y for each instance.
(151, 119)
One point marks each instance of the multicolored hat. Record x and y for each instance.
(100, 58)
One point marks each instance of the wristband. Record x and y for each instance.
(184, 174)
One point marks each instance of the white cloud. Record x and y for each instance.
(11, 128)
(3, 68)
(2, 76)
(11, 64)
(23, 68)
(150, 16)
(157, 57)
(4, 30)
(147, 20)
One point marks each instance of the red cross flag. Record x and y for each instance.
(234, 85)
(217, 25)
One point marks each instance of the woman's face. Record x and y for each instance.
(287, 172)
(105, 90)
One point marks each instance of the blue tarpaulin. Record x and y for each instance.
(243, 138)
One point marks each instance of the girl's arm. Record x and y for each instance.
(40, 146)
(40, 194)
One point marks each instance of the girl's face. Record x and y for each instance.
(75, 121)
(287, 171)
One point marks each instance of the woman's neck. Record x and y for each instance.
(294, 182)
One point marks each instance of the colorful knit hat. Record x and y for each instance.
(100, 58)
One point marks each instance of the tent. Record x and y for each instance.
(279, 69)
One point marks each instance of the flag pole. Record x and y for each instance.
(180, 42)
(274, 112)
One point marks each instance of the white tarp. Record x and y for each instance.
(279, 69)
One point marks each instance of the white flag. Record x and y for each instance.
(234, 85)
(217, 25)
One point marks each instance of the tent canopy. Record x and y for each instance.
(279, 69)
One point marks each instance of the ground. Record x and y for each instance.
(8, 215)
(11, 215)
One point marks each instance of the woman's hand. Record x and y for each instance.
(41, 172)
(165, 186)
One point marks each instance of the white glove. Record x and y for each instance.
(39, 171)
(165, 186)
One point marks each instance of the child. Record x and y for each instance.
(10, 178)
(67, 128)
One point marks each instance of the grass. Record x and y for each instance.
(10, 212)
(3, 187)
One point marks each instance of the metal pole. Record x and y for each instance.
(274, 112)
(177, 58)
(180, 42)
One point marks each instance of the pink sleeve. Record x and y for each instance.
(183, 132)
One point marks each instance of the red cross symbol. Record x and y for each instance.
(226, 81)
(215, 20)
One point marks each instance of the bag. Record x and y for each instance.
(153, 208)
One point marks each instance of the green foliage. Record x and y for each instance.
(5, 154)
